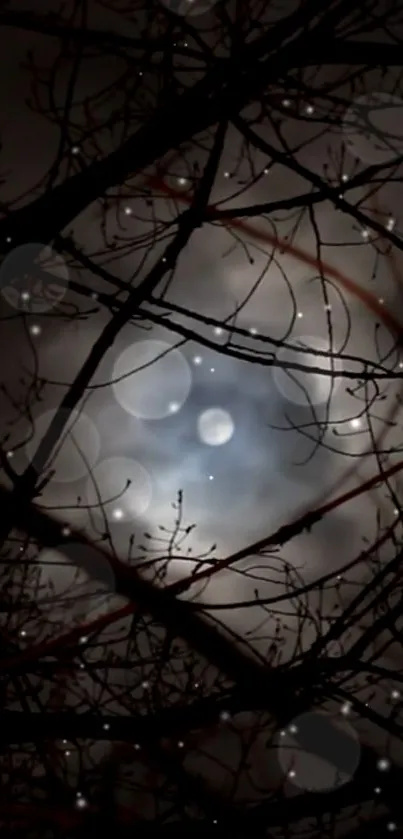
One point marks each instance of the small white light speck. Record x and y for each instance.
(212, 369)
(391, 826)
(390, 224)
(286, 103)
(383, 764)
(226, 174)
(293, 729)
(182, 181)
(83, 639)
(173, 407)
(117, 514)
(265, 171)
(23, 633)
(356, 422)
(197, 360)
(128, 211)
(344, 178)
(346, 708)
(35, 329)
(25, 295)
(218, 330)
(309, 109)
(75, 150)
(81, 803)
(225, 716)
(66, 531)
(253, 330)
(377, 790)
(67, 753)
(292, 773)
(211, 477)
(395, 694)
(365, 234)
(106, 726)
(300, 315)
(180, 744)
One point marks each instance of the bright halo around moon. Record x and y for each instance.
(151, 380)
(122, 486)
(215, 427)
(306, 388)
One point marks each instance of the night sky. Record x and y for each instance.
(250, 446)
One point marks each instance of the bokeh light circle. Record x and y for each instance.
(373, 128)
(215, 427)
(189, 8)
(33, 278)
(123, 486)
(78, 582)
(163, 379)
(319, 752)
(304, 387)
(77, 450)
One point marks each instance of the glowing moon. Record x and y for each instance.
(306, 388)
(150, 378)
(215, 427)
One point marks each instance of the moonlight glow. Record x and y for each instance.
(215, 427)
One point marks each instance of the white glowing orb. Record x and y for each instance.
(149, 378)
(76, 451)
(306, 387)
(33, 278)
(319, 752)
(373, 128)
(124, 488)
(215, 427)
